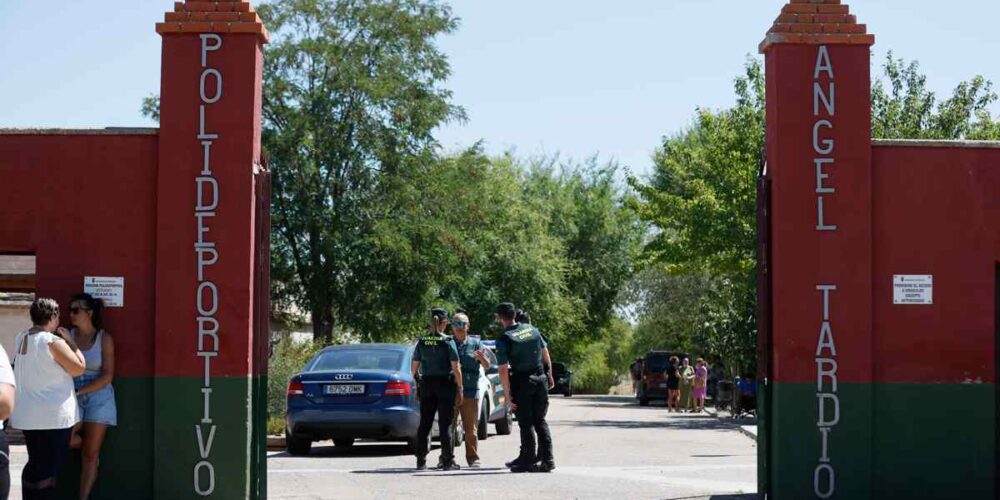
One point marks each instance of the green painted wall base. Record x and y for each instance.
(179, 409)
(893, 441)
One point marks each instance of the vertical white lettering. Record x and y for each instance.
(207, 415)
(823, 63)
(820, 175)
(826, 367)
(218, 86)
(206, 48)
(200, 204)
(828, 99)
(199, 488)
(827, 146)
(830, 488)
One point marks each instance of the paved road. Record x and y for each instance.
(606, 447)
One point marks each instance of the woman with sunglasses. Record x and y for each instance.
(46, 361)
(94, 392)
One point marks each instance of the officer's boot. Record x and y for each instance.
(545, 466)
(421, 463)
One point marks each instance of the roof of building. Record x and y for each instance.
(936, 143)
(81, 131)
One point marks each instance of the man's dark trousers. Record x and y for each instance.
(531, 395)
(437, 394)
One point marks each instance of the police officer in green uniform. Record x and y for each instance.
(523, 355)
(435, 365)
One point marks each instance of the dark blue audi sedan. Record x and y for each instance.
(349, 392)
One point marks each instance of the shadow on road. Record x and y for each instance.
(482, 471)
(358, 450)
(692, 423)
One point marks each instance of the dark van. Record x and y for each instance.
(653, 384)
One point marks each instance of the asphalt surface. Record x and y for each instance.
(606, 447)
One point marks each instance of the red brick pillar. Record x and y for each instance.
(209, 152)
(818, 151)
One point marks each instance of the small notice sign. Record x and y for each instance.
(913, 289)
(111, 289)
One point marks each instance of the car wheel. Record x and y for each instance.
(643, 400)
(503, 426)
(297, 446)
(458, 438)
(343, 443)
(483, 430)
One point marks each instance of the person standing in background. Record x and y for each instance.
(687, 379)
(523, 355)
(472, 361)
(46, 408)
(673, 384)
(94, 392)
(700, 386)
(7, 389)
(435, 365)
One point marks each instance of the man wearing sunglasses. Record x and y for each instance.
(472, 361)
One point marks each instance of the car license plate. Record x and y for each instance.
(663, 386)
(344, 389)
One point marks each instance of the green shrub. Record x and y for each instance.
(288, 359)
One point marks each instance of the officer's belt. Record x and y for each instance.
(538, 371)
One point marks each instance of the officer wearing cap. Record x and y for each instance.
(523, 356)
(435, 365)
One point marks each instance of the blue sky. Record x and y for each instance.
(576, 78)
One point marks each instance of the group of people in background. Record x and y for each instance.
(687, 386)
(57, 391)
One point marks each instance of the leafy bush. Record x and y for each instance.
(602, 364)
(288, 359)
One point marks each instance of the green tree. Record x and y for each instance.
(352, 94)
(903, 107)
(701, 197)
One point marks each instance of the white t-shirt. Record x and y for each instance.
(6, 372)
(44, 396)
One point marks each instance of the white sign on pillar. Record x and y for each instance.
(912, 289)
(109, 289)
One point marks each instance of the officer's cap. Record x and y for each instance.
(506, 309)
(439, 313)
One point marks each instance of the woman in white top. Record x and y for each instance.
(94, 393)
(46, 409)
(6, 406)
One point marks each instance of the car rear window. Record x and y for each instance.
(657, 362)
(358, 359)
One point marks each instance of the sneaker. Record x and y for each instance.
(545, 467)
(421, 464)
(474, 464)
(450, 466)
(519, 468)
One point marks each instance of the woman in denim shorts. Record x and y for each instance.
(95, 395)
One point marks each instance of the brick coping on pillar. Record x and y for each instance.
(232, 16)
(816, 22)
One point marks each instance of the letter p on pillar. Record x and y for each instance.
(206, 47)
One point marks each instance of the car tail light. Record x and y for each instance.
(397, 388)
(295, 388)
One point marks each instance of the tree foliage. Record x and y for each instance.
(352, 94)
(698, 290)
